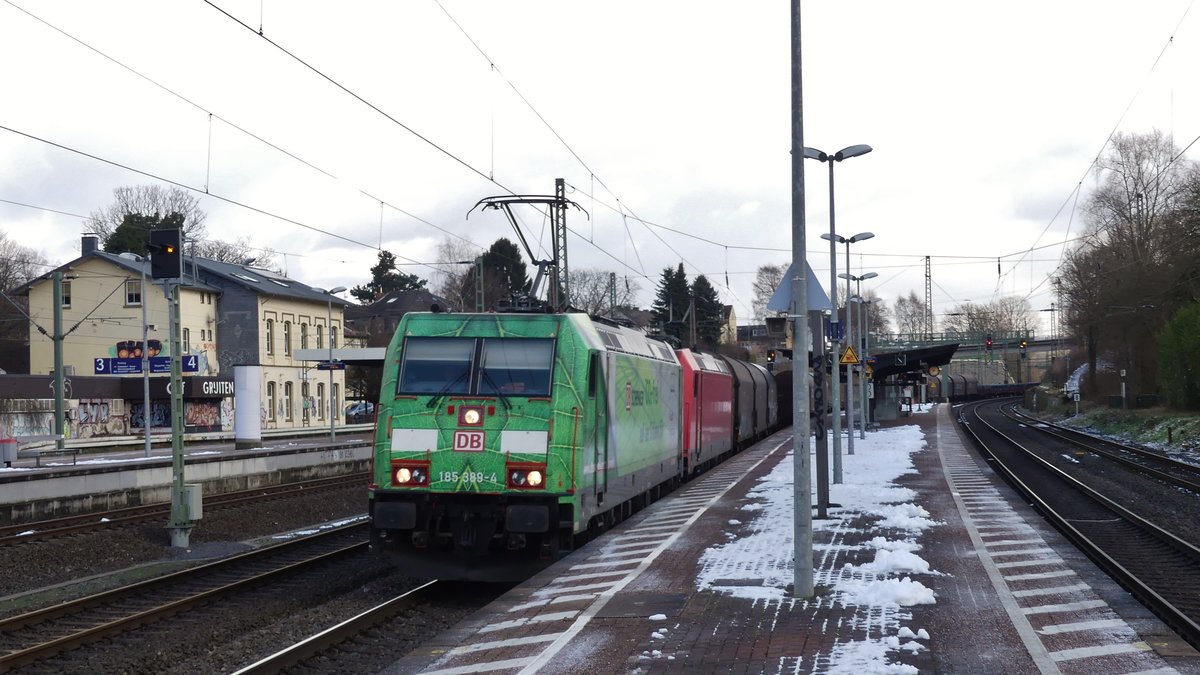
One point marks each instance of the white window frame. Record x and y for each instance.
(270, 336)
(129, 294)
(270, 401)
(287, 401)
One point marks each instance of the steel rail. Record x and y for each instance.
(1101, 446)
(27, 655)
(56, 527)
(1186, 625)
(335, 635)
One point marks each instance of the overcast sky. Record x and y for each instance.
(984, 119)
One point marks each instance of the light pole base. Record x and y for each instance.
(180, 535)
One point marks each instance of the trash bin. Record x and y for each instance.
(8, 450)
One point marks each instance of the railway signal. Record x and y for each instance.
(166, 258)
(1024, 344)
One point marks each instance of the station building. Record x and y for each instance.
(229, 315)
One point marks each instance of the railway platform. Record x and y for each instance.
(927, 563)
(86, 477)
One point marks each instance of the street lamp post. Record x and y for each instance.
(849, 333)
(862, 352)
(866, 346)
(145, 360)
(844, 153)
(329, 326)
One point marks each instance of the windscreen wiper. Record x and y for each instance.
(433, 402)
(496, 388)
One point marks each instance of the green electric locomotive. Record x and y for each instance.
(503, 437)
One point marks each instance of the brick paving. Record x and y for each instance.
(630, 602)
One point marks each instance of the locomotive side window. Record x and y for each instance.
(518, 367)
(436, 366)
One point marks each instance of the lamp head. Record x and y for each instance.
(861, 236)
(337, 289)
(836, 237)
(852, 151)
(813, 153)
(868, 275)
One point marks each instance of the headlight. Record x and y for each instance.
(526, 476)
(471, 416)
(410, 474)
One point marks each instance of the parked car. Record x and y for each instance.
(360, 413)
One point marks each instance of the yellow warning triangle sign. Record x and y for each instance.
(849, 358)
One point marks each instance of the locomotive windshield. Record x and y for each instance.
(436, 366)
(520, 367)
(478, 366)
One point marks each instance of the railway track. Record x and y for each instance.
(327, 644)
(1161, 568)
(58, 527)
(1148, 462)
(34, 636)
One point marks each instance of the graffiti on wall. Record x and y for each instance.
(160, 415)
(90, 418)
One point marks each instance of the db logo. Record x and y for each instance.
(468, 441)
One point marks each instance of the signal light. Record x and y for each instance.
(989, 343)
(771, 356)
(165, 260)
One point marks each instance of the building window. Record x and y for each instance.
(187, 340)
(66, 295)
(305, 402)
(270, 336)
(287, 401)
(287, 338)
(303, 336)
(133, 292)
(320, 342)
(333, 330)
(320, 399)
(270, 401)
(334, 402)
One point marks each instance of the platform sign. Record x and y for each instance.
(331, 365)
(162, 364)
(117, 366)
(130, 366)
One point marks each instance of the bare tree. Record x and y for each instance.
(766, 280)
(238, 252)
(148, 200)
(910, 314)
(878, 315)
(18, 264)
(454, 259)
(590, 291)
(1137, 264)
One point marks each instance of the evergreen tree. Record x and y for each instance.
(504, 274)
(133, 234)
(1179, 358)
(671, 301)
(709, 310)
(385, 278)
